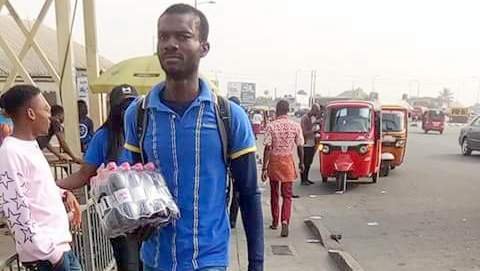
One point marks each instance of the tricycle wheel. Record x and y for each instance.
(441, 132)
(385, 169)
(341, 182)
(425, 131)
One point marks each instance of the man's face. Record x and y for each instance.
(179, 45)
(38, 113)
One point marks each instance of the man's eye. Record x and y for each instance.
(184, 37)
(163, 37)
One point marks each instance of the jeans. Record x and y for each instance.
(126, 251)
(69, 262)
(218, 268)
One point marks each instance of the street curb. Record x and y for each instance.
(343, 260)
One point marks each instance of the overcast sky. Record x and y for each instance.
(348, 42)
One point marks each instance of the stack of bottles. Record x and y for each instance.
(128, 197)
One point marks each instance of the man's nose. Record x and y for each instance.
(170, 44)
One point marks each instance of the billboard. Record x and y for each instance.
(243, 90)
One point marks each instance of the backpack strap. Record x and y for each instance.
(142, 123)
(223, 115)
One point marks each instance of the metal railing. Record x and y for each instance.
(90, 244)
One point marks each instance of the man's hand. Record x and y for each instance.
(62, 157)
(77, 160)
(264, 175)
(143, 233)
(301, 167)
(74, 207)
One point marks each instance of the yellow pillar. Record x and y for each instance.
(91, 52)
(67, 87)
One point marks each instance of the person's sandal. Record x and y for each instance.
(273, 227)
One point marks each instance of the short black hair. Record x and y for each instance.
(81, 103)
(16, 97)
(235, 99)
(283, 107)
(187, 9)
(56, 110)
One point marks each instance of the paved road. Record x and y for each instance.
(428, 210)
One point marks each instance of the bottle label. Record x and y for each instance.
(123, 196)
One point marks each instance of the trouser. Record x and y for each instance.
(69, 262)
(286, 192)
(126, 251)
(308, 155)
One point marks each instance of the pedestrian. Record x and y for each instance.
(85, 125)
(106, 146)
(31, 201)
(282, 137)
(56, 128)
(182, 135)
(257, 121)
(309, 123)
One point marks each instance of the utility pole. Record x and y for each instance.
(313, 82)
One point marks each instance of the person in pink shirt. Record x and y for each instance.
(29, 198)
(282, 137)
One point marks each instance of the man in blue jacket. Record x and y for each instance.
(183, 140)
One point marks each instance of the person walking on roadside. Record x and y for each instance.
(30, 199)
(106, 146)
(308, 124)
(181, 136)
(282, 137)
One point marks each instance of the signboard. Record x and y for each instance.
(243, 90)
(82, 86)
(234, 89)
(248, 94)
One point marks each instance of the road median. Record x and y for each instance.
(343, 259)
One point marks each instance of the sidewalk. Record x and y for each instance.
(304, 256)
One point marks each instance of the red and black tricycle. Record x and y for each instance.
(350, 142)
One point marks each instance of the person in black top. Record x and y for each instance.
(56, 128)
(85, 125)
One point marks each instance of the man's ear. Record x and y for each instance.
(31, 114)
(205, 48)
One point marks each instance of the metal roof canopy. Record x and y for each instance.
(65, 77)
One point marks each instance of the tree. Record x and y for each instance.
(446, 96)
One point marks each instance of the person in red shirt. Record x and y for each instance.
(282, 137)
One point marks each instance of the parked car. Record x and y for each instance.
(469, 138)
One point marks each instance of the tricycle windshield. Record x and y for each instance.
(435, 114)
(393, 121)
(348, 119)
